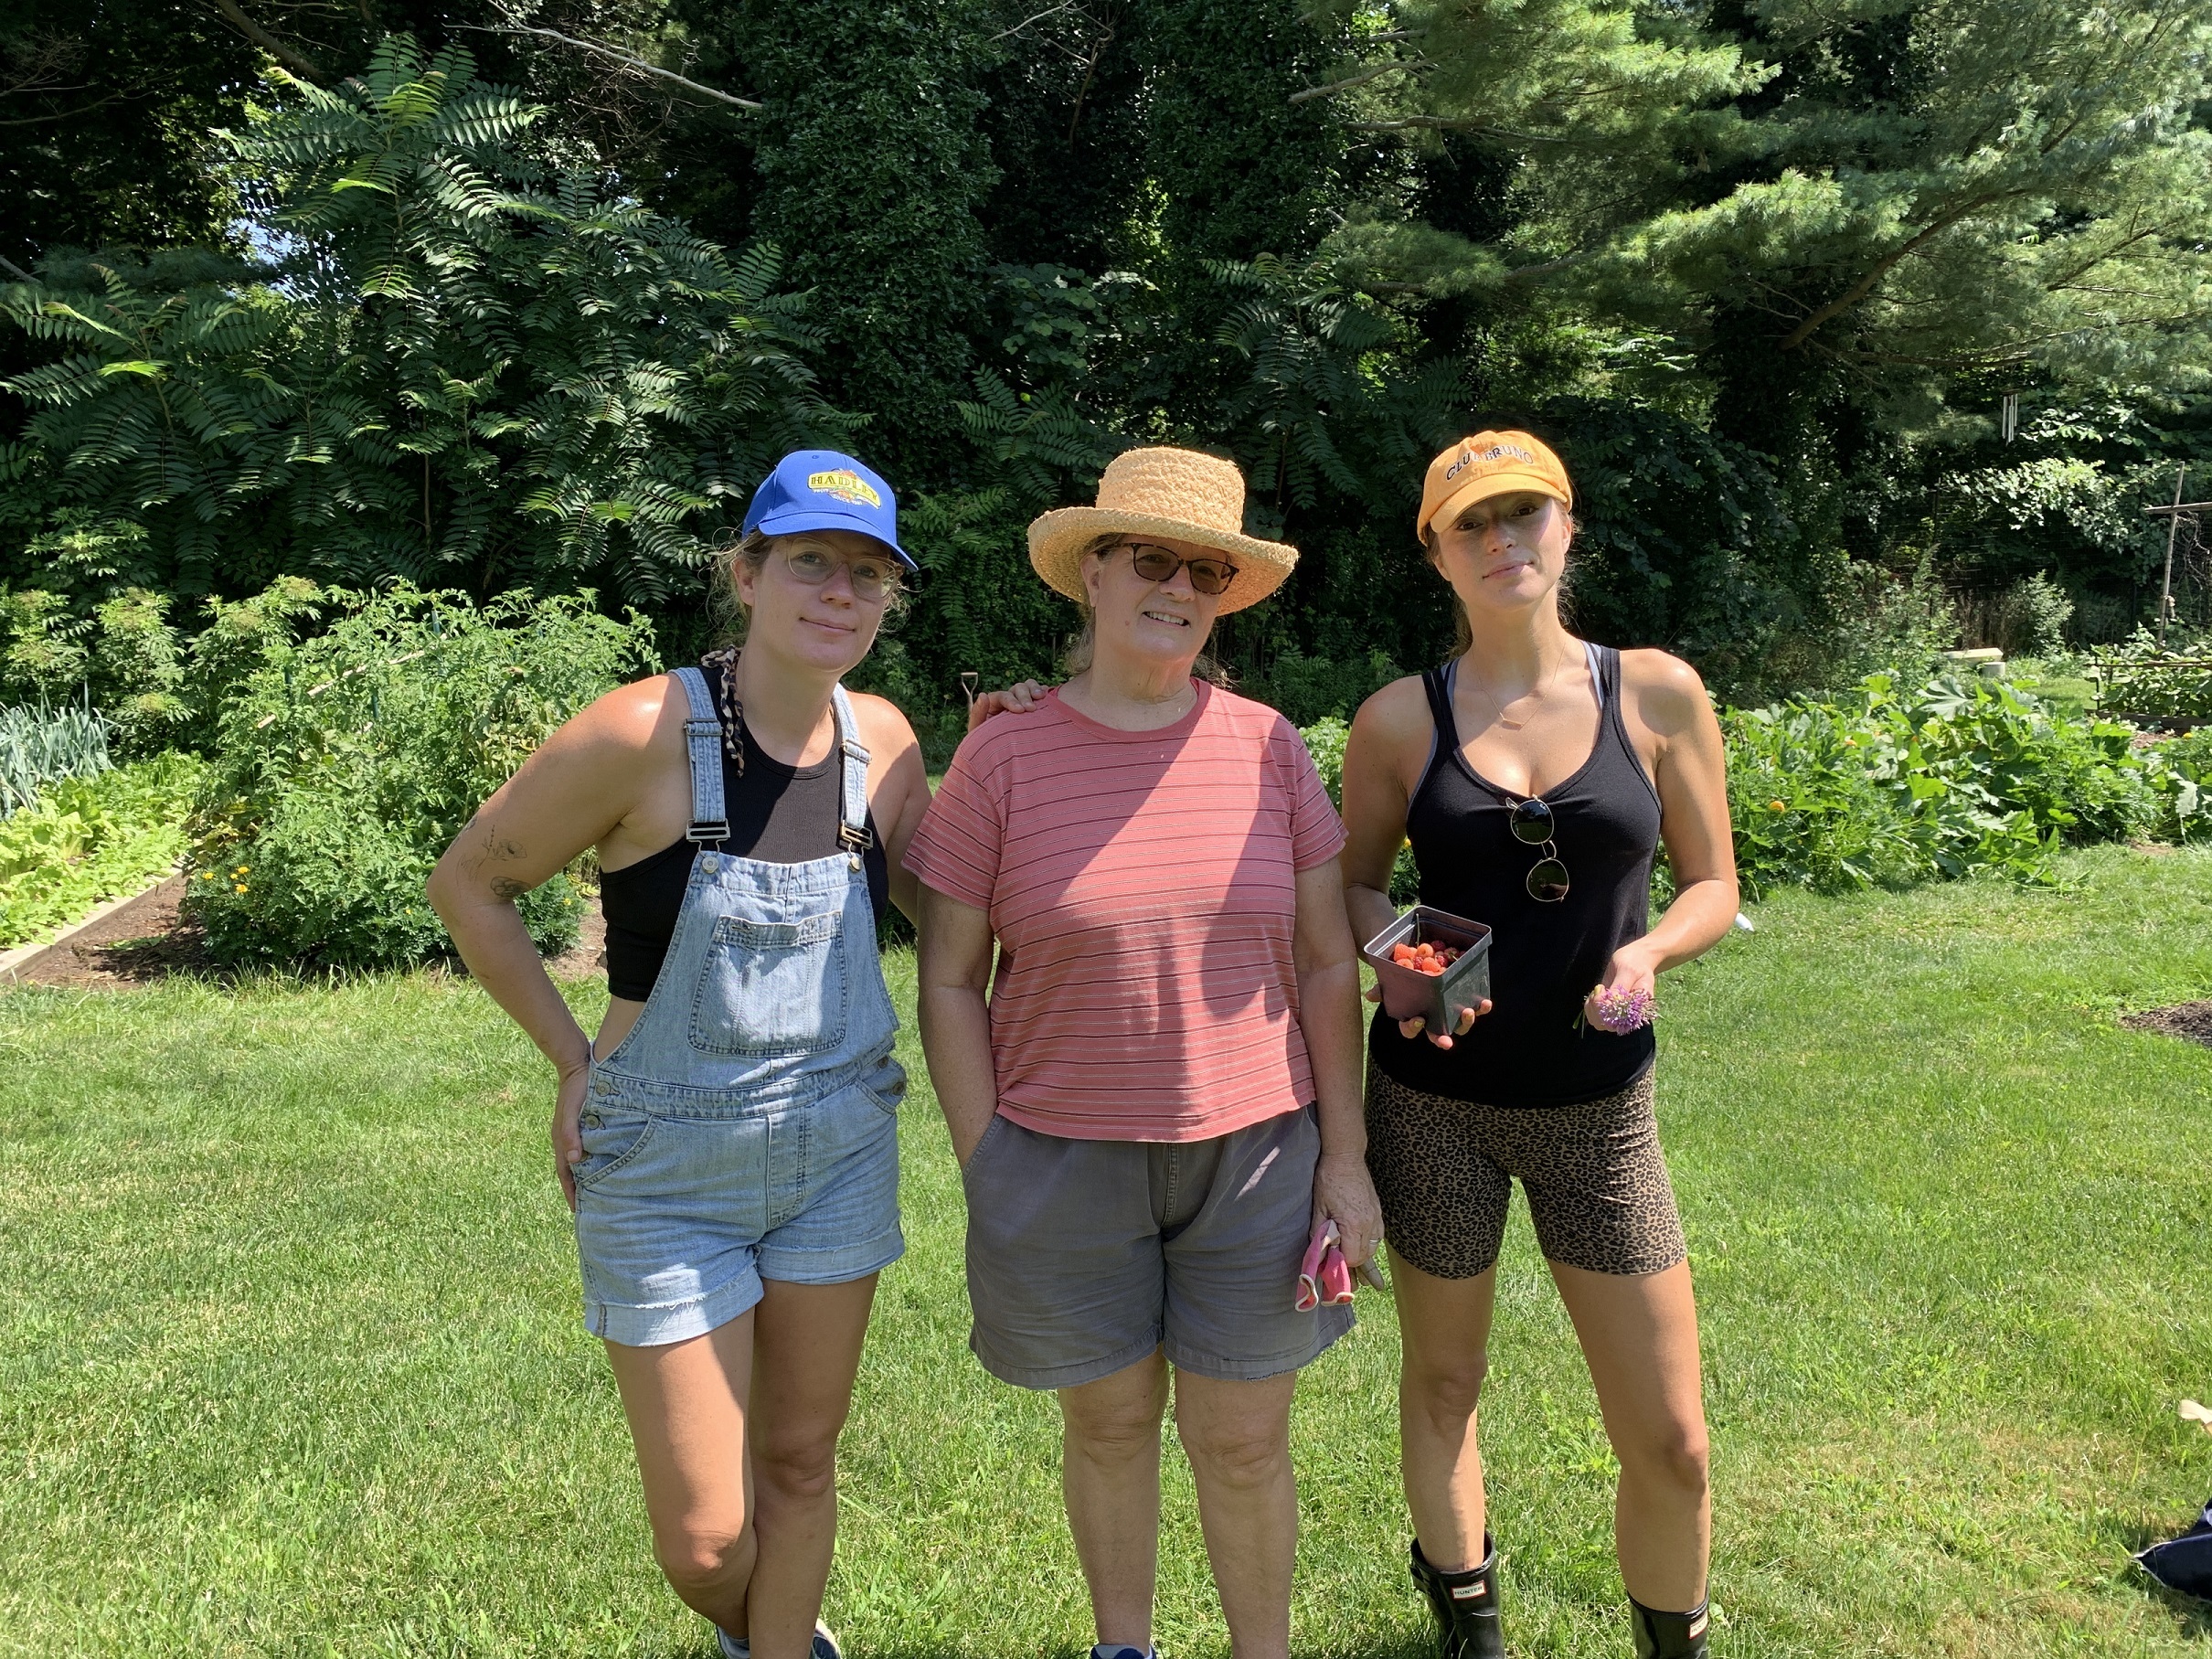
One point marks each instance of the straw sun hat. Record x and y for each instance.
(1176, 493)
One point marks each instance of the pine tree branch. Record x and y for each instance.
(1374, 72)
(290, 56)
(1460, 123)
(2079, 271)
(1866, 284)
(619, 55)
(1522, 273)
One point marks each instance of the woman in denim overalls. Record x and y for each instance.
(729, 1143)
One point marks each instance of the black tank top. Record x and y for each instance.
(1531, 1048)
(778, 814)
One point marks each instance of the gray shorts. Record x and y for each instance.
(1084, 1256)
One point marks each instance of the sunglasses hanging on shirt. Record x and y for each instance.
(1532, 824)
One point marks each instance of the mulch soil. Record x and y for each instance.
(2192, 1021)
(146, 941)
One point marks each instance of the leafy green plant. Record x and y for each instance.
(87, 839)
(1325, 741)
(2031, 617)
(477, 357)
(39, 746)
(1900, 786)
(346, 761)
(2138, 678)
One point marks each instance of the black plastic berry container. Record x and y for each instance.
(1409, 993)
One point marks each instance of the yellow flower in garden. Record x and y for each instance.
(1776, 806)
(239, 888)
(206, 874)
(239, 871)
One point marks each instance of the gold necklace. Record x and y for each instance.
(1497, 709)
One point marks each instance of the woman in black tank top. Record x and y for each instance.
(1537, 776)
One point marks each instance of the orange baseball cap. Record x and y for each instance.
(1487, 464)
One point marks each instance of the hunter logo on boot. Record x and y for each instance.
(1466, 1592)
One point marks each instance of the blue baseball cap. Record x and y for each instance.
(821, 490)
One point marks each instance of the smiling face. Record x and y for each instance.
(817, 596)
(1158, 624)
(1503, 553)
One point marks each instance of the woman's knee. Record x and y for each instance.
(705, 1558)
(1676, 1453)
(798, 1464)
(1244, 1450)
(1114, 1434)
(1117, 1418)
(1445, 1388)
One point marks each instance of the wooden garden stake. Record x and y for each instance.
(2173, 516)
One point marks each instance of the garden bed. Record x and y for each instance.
(2190, 1021)
(134, 944)
(147, 941)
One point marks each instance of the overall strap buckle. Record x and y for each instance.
(703, 748)
(853, 832)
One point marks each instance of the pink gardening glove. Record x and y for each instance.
(1325, 1279)
(1309, 1271)
(1335, 1278)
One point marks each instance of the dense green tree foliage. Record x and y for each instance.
(1764, 269)
(471, 363)
(1862, 222)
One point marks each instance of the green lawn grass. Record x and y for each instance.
(290, 1361)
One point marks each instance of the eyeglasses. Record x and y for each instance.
(1158, 564)
(1531, 822)
(872, 578)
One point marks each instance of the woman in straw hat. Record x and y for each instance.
(1159, 1105)
(1537, 776)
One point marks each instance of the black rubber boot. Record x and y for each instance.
(1668, 1635)
(1466, 1604)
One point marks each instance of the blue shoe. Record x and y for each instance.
(823, 1646)
(1119, 1651)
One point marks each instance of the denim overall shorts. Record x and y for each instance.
(747, 1127)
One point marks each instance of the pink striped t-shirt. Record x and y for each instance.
(1142, 885)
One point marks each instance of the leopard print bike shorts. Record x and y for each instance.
(1594, 1174)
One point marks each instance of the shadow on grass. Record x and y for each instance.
(1411, 1644)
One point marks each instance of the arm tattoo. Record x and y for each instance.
(507, 889)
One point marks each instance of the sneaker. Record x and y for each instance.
(823, 1646)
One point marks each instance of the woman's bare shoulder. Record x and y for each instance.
(633, 720)
(1395, 715)
(1669, 693)
(883, 729)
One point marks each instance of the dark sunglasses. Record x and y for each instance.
(1158, 564)
(1532, 824)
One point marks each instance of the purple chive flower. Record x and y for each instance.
(1620, 1011)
